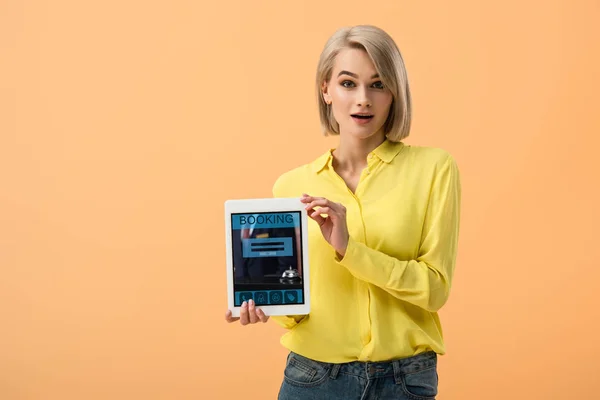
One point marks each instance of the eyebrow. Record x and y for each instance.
(354, 75)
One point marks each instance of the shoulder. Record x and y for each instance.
(428, 164)
(288, 183)
(429, 158)
(426, 154)
(285, 182)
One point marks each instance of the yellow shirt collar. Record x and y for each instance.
(385, 152)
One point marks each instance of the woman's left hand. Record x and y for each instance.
(333, 226)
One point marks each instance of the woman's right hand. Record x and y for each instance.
(249, 314)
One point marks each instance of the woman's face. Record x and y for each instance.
(359, 100)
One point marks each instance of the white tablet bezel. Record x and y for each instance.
(248, 206)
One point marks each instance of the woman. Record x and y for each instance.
(383, 236)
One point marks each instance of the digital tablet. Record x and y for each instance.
(267, 255)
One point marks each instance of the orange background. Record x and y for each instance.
(124, 126)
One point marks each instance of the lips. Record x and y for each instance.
(362, 116)
(362, 119)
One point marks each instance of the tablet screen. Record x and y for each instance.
(267, 258)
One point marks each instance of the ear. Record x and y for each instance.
(325, 92)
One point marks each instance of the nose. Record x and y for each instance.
(363, 98)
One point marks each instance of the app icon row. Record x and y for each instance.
(272, 297)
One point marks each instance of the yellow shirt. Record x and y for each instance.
(380, 301)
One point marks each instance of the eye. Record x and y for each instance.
(347, 84)
(378, 85)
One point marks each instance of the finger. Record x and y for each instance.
(244, 314)
(321, 211)
(318, 219)
(229, 318)
(328, 211)
(252, 312)
(306, 198)
(261, 315)
(338, 208)
(324, 203)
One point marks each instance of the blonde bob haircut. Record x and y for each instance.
(388, 62)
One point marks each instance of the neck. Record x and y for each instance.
(351, 154)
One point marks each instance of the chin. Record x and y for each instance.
(363, 134)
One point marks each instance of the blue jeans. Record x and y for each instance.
(412, 378)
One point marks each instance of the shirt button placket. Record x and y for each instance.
(363, 291)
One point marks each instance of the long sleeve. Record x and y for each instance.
(425, 281)
(288, 321)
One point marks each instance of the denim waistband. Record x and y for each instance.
(379, 369)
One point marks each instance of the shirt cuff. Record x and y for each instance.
(359, 260)
(348, 255)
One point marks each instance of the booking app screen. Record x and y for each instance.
(267, 258)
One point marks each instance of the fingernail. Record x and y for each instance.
(244, 304)
(250, 302)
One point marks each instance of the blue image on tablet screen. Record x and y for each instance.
(265, 245)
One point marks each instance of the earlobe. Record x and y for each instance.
(326, 95)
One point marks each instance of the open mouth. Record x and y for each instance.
(362, 116)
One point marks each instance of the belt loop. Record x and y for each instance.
(335, 369)
(397, 372)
